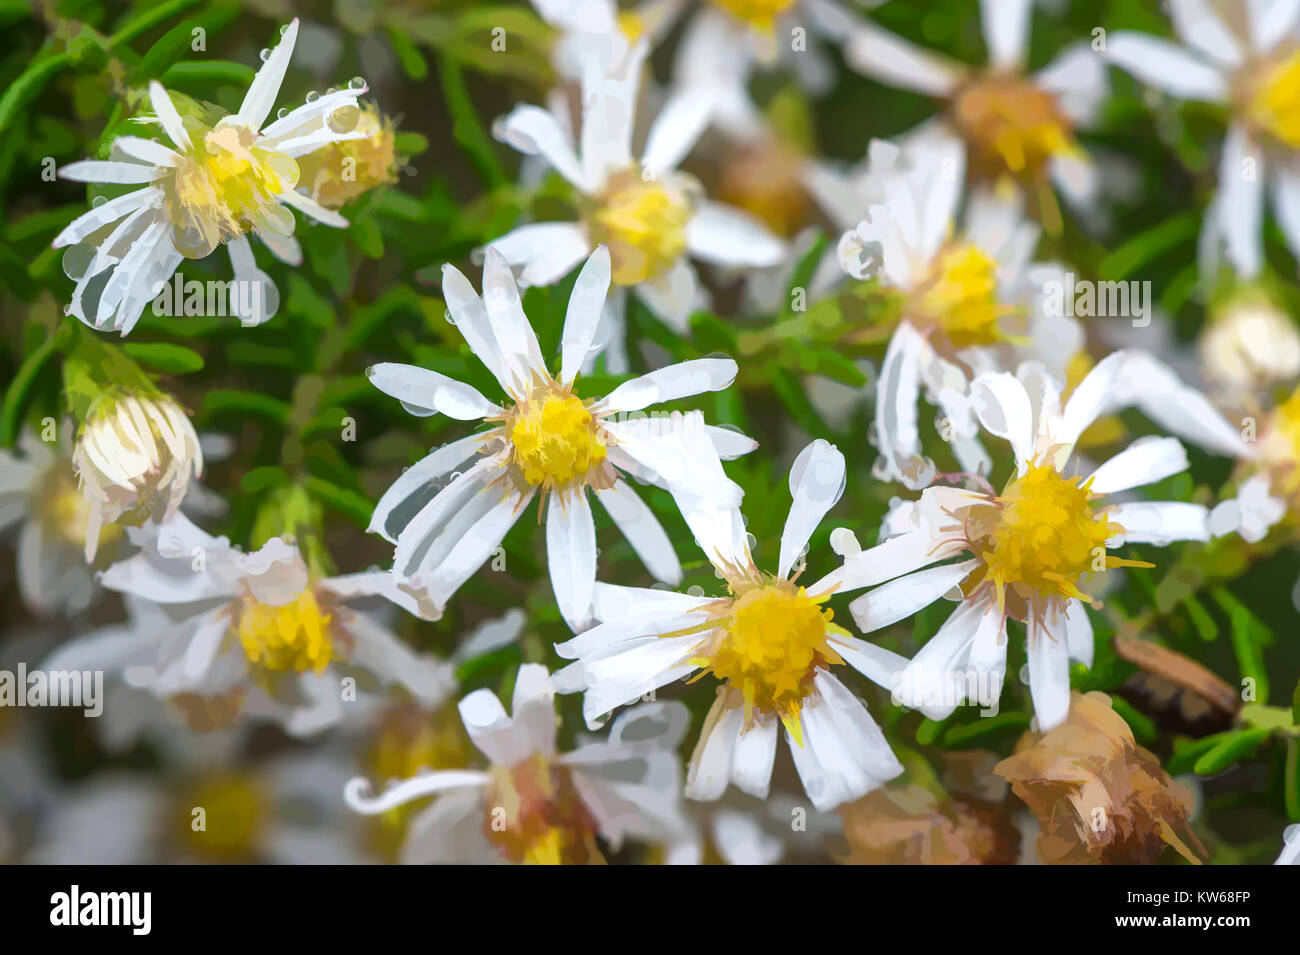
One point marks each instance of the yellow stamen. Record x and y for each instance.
(1275, 104)
(1042, 537)
(233, 817)
(225, 186)
(535, 815)
(643, 223)
(760, 14)
(1012, 126)
(556, 440)
(960, 298)
(292, 636)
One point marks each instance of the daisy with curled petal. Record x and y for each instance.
(217, 623)
(1017, 128)
(1248, 58)
(1029, 550)
(222, 178)
(770, 641)
(971, 300)
(534, 805)
(650, 216)
(543, 439)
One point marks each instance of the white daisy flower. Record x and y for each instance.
(39, 495)
(543, 439)
(217, 624)
(651, 217)
(1248, 58)
(218, 809)
(134, 456)
(770, 641)
(1029, 549)
(534, 805)
(228, 176)
(1016, 127)
(971, 301)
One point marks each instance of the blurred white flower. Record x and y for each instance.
(1247, 58)
(545, 439)
(650, 216)
(771, 643)
(534, 805)
(227, 177)
(1017, 128)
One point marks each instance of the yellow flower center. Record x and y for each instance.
(225, 186)
(1042, 536)
(556, 440)
(960, 298)
(223, 817)
(766, 181)
(1275, 104)
(342, 171)
(1012, 126)
(64, 510)
(1280, 447)
(774, 642)
(292, 636)
(759, 14)
(535, 816)
(643, 223)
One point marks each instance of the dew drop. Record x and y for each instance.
(98, 201)
(344, 119)
(313, 96)
(76, 259)
(331, 91)
(284, 29)
(448, 316)
(356, 83)
(695, 590)
(282, 112)
(264, 54)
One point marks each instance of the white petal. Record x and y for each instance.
(676, 129)
(1006, 31)
(880, 54)
(471, 318)
(1160, 522)
(1004, 410)
(1145, 461)
(877, 664)
(1088, 401)
(117, 173)
(428, 391)
(1078, 632)
(266, 84)
(723, 235)
(1239, 206)
(710, 766)
(1198, 24)
(417, 486)
(357, 792)
(583, 314)
(310, 207)
(532, 710)
(817, 480)
(99, 216)
(642, 530)
(671, 296)
(534, 131)
(754, 756)
(514, 335)
(670, 383)
(571, 556)
(1271, 21)
(1049, 675)
(547, 251)
(897, 393)
(904, 596)
(1166, 67)
(145, 151)
(170, 120)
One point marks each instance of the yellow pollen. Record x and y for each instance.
(233, 818)
(1012, 126)
(643, 223)
(535, 816)
(960, 298)
(65, 512)
(292, 636)
(760, 14)
(1279, 449)
(631, 25)
(340, 172)
(1045, 537)
(776, 638)
(225, 186)
(556, 440)
(1275, 104)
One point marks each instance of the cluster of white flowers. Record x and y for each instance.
(947, 219)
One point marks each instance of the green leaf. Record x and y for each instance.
(1248, 634)
(1151, 244)
(148, 19)
(16, 395)
(207, 73)
(971, 734)
(221, 401)
(27, 87)
(1291, 781)
(356, 507)
(172, 359)
(1236, 747)
(260, 480)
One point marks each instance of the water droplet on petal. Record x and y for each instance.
(76, 259)
(282, 112)
(331, 91)
(356, 83)
(344, 119)
(695, 590)
(313, 96)
(284, 29)
(263, 54)
(98, 201)
(448, 316)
